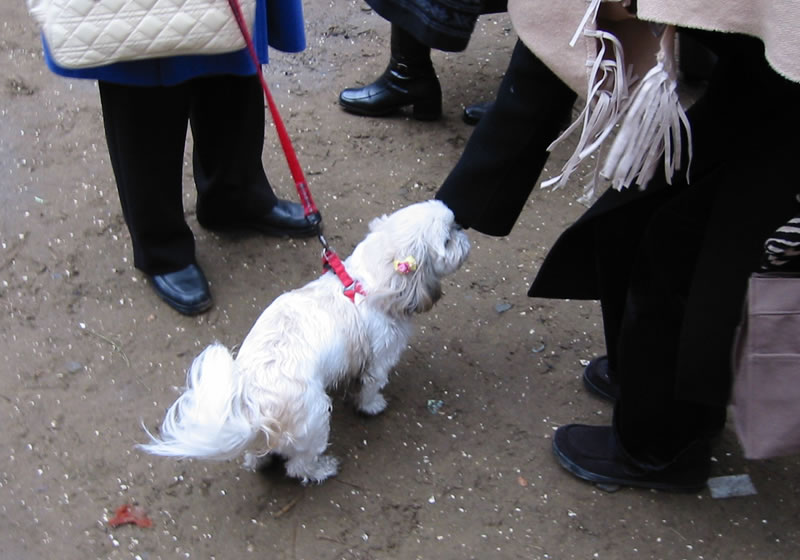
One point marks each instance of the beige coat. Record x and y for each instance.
(775, 22)
(624, 67)
(546, 27)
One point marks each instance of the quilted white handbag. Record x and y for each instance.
(87, 33)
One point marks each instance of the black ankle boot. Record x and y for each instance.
(409, 80)
(473, 114)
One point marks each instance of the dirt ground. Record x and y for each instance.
(458, 467)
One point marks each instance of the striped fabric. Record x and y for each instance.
(783, 247)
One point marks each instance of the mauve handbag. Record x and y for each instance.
(766, 364)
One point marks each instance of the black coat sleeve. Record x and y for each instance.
(501, 163)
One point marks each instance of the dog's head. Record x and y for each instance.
(409, 252)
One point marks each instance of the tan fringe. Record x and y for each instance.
(652, 125)
(651, 114)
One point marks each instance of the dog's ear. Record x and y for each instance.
(422, 290)
(412, 286)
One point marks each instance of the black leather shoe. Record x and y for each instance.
(593, 453)
(185, 290)
(285, 219)
(398, 87)
(473, 114)
(597, 379)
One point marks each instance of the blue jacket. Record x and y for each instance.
(278, 24)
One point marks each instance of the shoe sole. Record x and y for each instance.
(420, 116)
(595, 478)
(311, 231)
(297, 234)
(186, 309)
(361, 112)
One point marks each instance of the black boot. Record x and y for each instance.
(473, 114)
(409, 80)
(598, 377)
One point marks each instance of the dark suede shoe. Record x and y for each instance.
(473, 114)
(597, 379)
(185, 290)
(285, 219)
(594, 453)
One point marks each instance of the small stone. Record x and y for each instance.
(435, 405)
(731, 486)
(502, 307)
(74, 367)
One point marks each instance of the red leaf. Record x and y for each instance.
(130, 514)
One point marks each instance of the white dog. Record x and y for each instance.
(310, 339)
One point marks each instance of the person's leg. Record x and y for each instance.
(227, 118)
(146, 133)
(657, 440)
(614, 243)
(654, 424)
(617, 238)
(410, 79)
(700, 233)
(675, 372)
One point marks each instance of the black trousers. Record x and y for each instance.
(674, 250)
(146, 131)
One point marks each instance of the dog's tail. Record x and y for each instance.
(208, 421)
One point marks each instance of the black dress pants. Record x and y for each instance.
(146, 131)
(678, 247)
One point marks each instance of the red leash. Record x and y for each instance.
(330, 260)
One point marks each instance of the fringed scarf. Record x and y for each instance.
(644, 111)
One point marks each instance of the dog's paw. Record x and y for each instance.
(316, 471)
(253, 462)
(326, 467)
(374, 406)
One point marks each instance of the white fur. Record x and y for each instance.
(310, 339)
